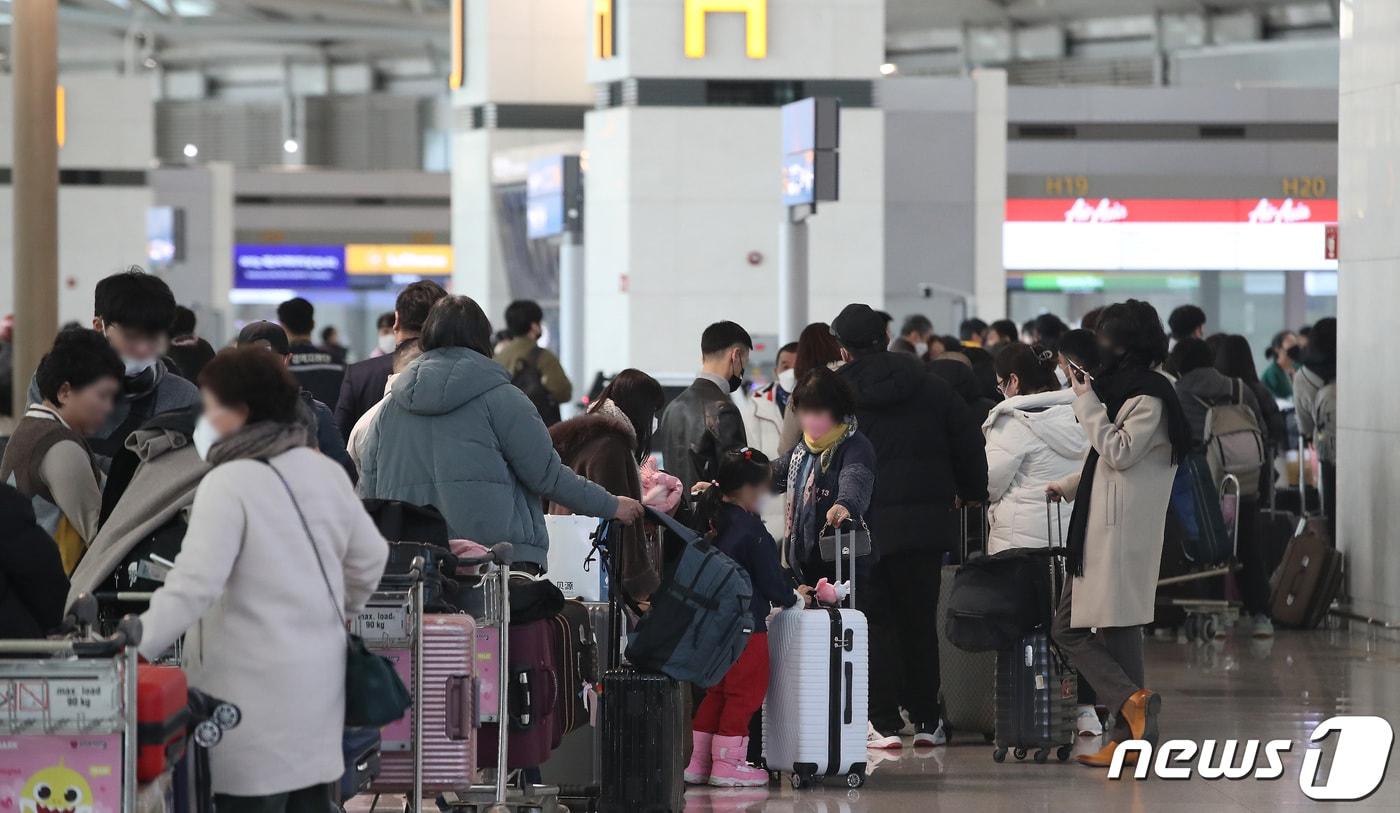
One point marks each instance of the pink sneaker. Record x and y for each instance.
(698, 771)
(729, 766)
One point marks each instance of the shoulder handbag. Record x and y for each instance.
(374, 693)
(847, 543)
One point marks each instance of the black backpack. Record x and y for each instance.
(528, 378)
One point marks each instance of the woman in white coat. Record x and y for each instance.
(263, 629)
(1033, 439)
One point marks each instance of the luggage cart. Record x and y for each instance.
(392, 625)
(68, 717)
(1208, 618)
(505, 795)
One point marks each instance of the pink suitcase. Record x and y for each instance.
(449, 696)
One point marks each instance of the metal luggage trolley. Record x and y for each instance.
(68, 727)
(505, 795)
(1207, 618)
(392, 625)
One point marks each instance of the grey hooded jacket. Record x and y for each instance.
(455, 434)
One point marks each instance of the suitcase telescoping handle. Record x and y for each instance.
(1055, 531)
(845, 547)
(1303, 481)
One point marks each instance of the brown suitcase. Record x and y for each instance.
(1310, 575)
(1307, 581)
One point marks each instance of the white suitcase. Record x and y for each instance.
(815, 718)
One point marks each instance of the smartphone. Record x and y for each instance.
(1079, 372)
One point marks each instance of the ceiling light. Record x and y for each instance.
(150, 62)
(191, 151)
(290, 146)
(889, 69)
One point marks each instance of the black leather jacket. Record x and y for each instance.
(696, 428)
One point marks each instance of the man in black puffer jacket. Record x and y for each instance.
(930, 461)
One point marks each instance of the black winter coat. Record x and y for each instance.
(33, 588)
(928, 450)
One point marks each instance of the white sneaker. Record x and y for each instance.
(908, 729)
(878, 741)
(1087, 722)
(923, 736)
(1263, 627)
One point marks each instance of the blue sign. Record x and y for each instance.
(799, 178)
(279, 266)
(553, 196)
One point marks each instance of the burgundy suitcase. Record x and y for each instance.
(576, 651)
(449, 696)
(534, 698)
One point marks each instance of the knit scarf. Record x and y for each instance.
(825, 446)
(262, 440)
(1115, 386)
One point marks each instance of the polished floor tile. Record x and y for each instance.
(1237, 688)
(1232, 689)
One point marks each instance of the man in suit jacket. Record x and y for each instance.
(364, 382)
(702, 423)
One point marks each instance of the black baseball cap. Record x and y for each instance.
(270, 334)
(859, 327)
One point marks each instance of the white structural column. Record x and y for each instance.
(1369, 286)
(945, 196)
(34, 56)
(525, 62)
(793, 275)
(571, 314)
(684, 185)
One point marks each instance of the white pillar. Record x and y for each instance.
(1368, 430)
(792, 278)
(571, 319)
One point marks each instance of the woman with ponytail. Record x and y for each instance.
(728, 512)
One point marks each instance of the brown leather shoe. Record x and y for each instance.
(1103, 758)
(1140, 713)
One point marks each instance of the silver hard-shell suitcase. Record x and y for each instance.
(816, 715)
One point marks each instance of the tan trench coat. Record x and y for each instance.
(1127, 512)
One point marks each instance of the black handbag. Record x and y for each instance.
(374, 693)
(844, 544)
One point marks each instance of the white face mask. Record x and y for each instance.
(655, 424)
(787, 379)
(920, 348)
(763, 502)
(205, 436)
(135, 367)
(386, 343)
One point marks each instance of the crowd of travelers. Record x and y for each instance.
(251, 459)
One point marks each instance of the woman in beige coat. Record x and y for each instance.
(1137, 433)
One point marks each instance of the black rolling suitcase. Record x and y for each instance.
(1036, 692)
(644, 728)
(969, 704)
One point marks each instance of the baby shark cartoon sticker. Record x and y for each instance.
(56, 789)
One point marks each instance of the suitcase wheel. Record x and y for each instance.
(798, 781)
(854, 780)
(999, 755)
(1042, 755)
(1020, 753)
(1062, 753)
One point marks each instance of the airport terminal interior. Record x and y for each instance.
(707, 405)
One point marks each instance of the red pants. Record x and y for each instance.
(729, 704)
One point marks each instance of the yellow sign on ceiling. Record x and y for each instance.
(430, 260)
(603, 29)
(458, 74)
(756, 29)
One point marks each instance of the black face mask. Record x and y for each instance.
(736, 381)
(1108, 358)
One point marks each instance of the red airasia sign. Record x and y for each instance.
(1167, 210)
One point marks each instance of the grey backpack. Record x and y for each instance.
(1234, 441)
